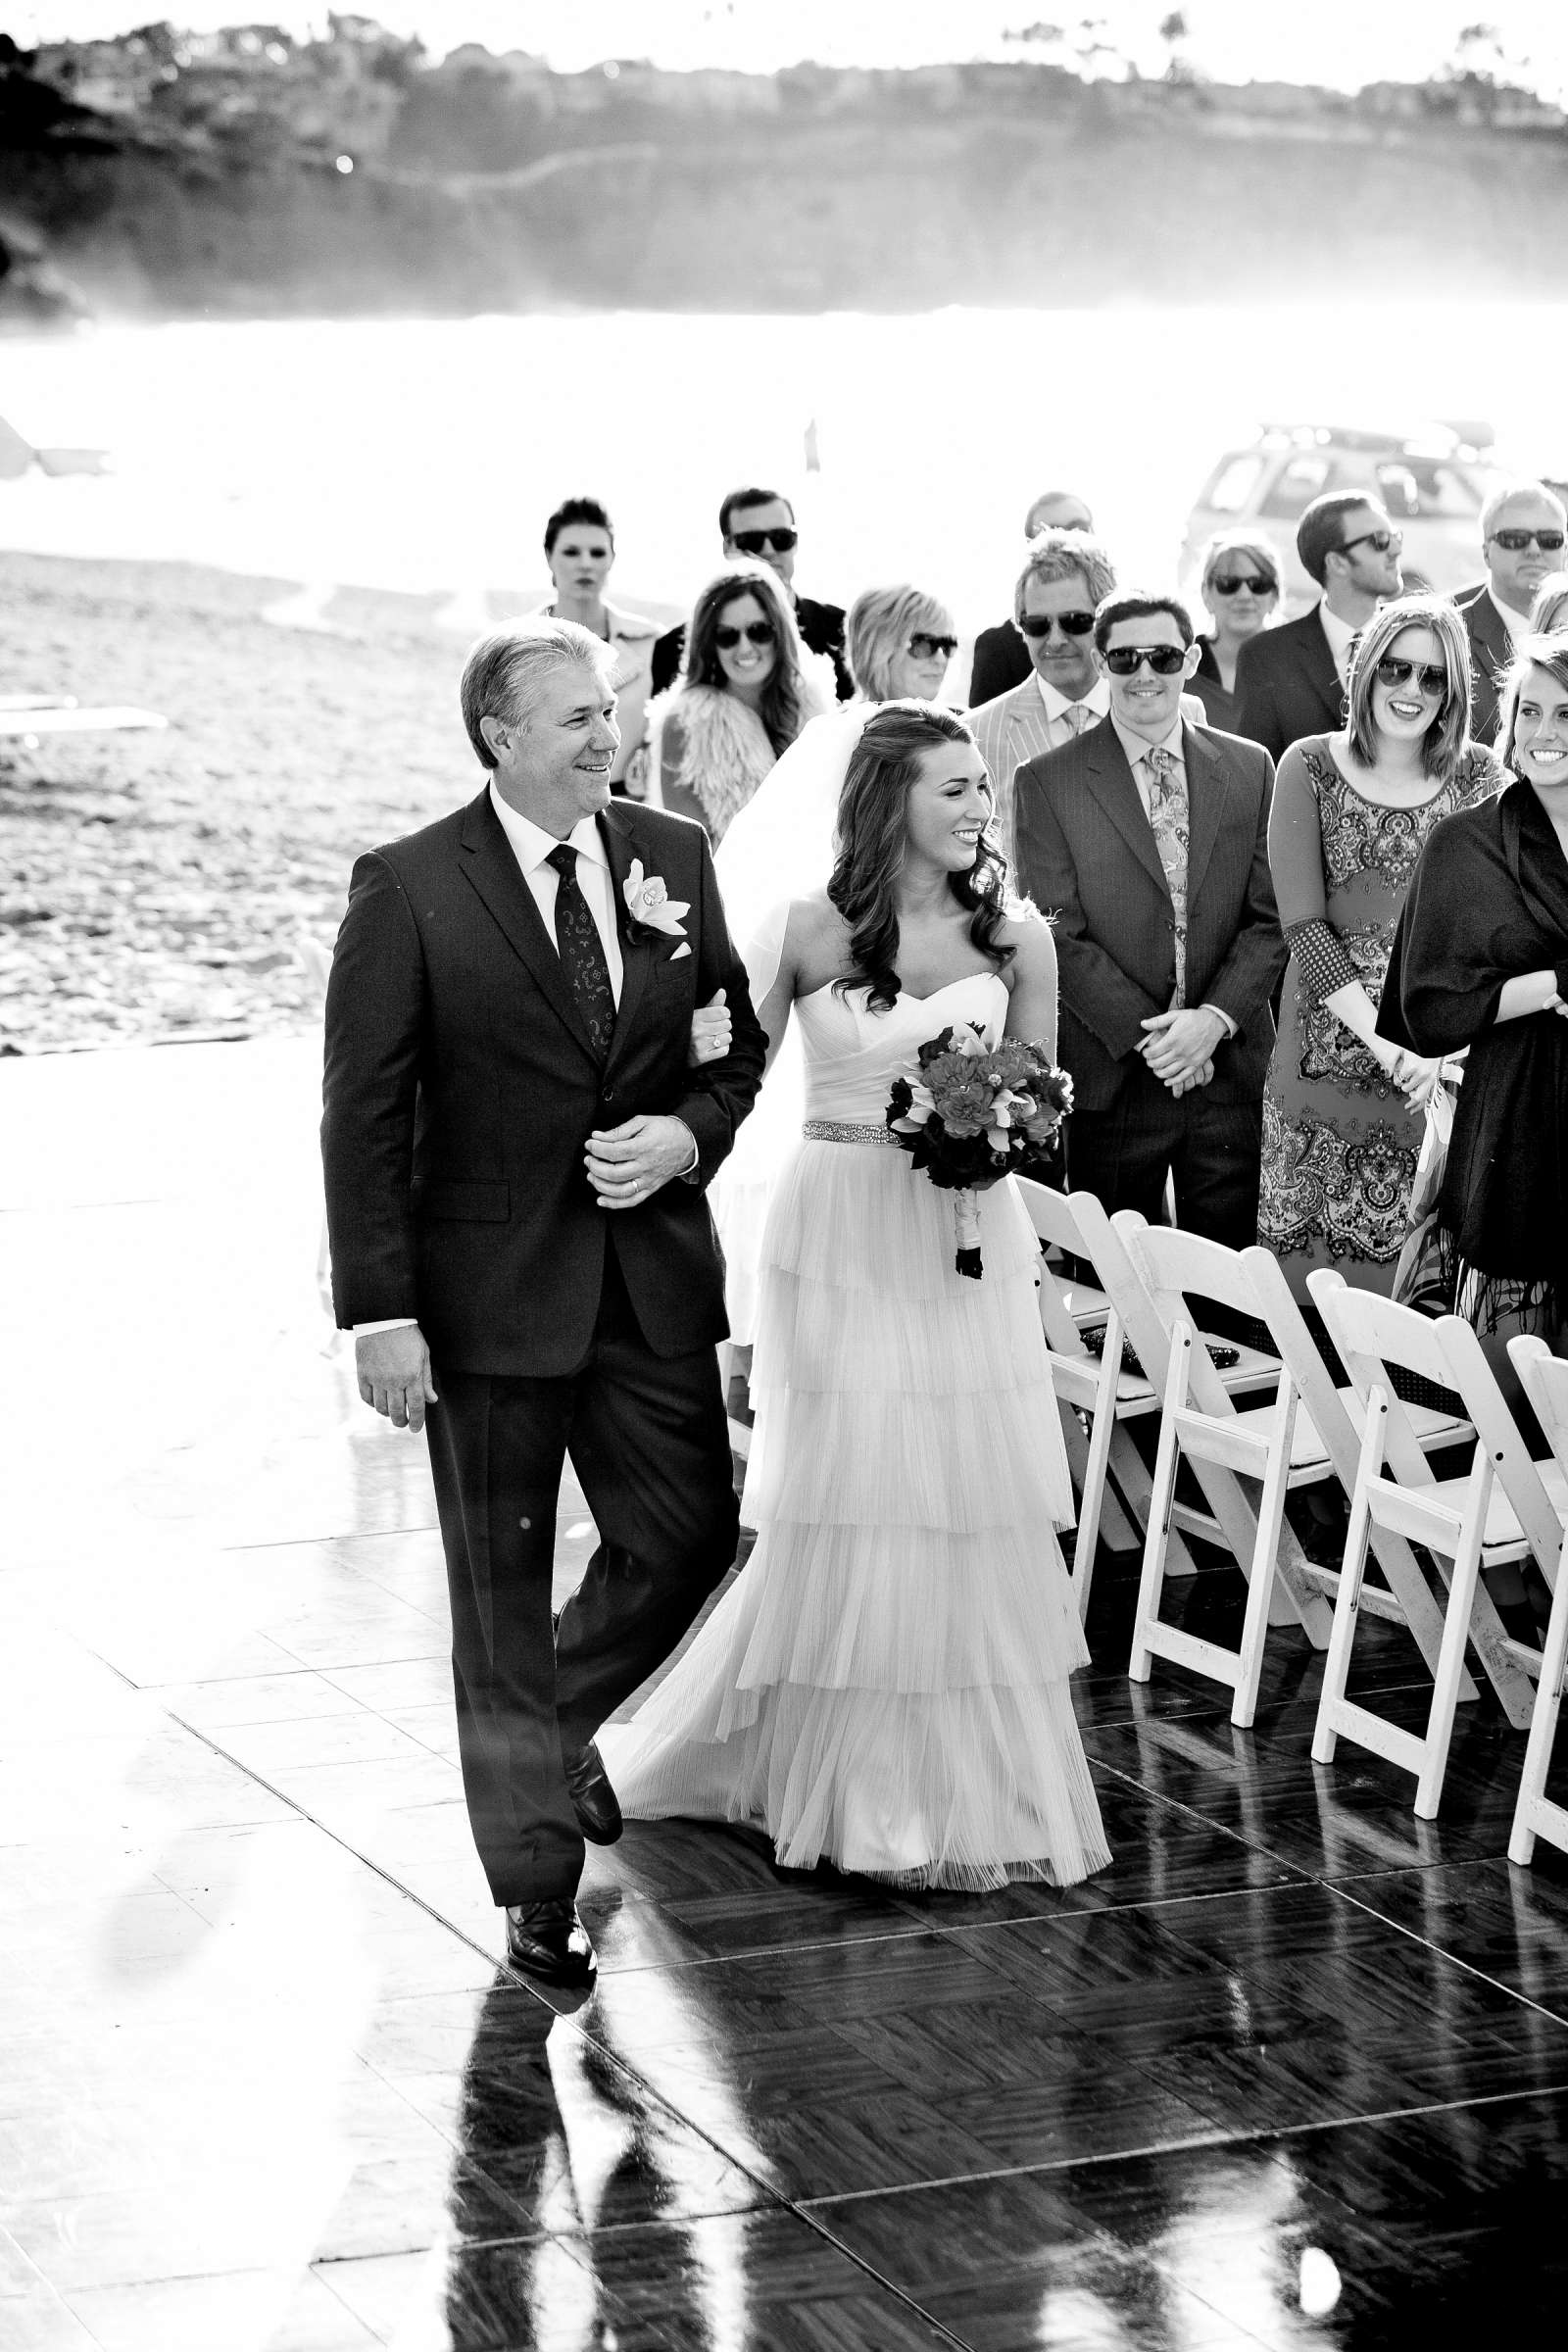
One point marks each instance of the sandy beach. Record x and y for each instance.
(156, 886)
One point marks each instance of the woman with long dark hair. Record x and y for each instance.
(885, 1686)
(747, 689)
(1480, 961)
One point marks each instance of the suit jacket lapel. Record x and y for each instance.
(1205, 804)
(1026, 724)
(493, 870)
(1320, 664)
(1117, 794)
(636, 954)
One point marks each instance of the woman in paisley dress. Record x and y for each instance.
(1341, 1124)
(885, 1685)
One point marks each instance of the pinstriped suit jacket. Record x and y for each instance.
(1087, 858)
(1009, 732)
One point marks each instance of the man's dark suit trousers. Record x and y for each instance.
(649, 1441)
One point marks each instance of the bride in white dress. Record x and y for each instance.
(885, 1686)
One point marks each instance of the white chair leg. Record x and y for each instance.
(1347, 1602)
(1151, 1582)
(1265, 1555)
(1534, 1809)
(1455, 1634)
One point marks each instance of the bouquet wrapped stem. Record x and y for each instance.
(967, 1220)
(970, 1112)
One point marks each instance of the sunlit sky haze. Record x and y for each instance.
(1342, 43)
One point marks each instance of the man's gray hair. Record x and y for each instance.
(1504, 496)
(506, 673)
(1055, 556)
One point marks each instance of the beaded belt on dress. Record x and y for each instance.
(845, 1131)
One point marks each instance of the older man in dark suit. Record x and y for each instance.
(1291, 682)
(1523, 529)
(515, 1153)
(1147, 843)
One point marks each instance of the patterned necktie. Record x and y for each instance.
(1167, 814)
(582, 953)
(1076, 718)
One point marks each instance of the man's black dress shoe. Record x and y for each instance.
(593, 1800)
(550, 1940)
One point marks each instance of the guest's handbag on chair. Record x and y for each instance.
(1418, 1278)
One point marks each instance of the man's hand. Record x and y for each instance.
(1184, 1086)
(626, 1165)
(394, 1373)
(1178, 1044)
(710, 1032)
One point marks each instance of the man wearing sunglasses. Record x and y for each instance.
(1524, 530)
(1290, 681)
(760, 524)
(1054, 600)
(1146, 842)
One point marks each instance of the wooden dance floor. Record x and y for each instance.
(1293, 2073)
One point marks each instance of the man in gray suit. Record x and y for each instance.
(1523, 528)
(1145, 840)
(1053, 601)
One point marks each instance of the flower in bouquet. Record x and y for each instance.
(969, 1110)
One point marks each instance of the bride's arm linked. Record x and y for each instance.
(1031, 980)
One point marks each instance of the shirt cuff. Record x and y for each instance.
(688, 1174)
(1220, 1014)
(362, 1331)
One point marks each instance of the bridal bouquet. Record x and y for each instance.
(971, 1112)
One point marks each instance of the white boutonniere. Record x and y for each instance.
(652, 913)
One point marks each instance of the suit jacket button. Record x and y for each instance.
(607, 1096)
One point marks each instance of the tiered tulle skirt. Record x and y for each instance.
(885, 1685)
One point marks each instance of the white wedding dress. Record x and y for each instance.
(885, 1685)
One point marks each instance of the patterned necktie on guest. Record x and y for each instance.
(582, 953)
(1076, 718)
(1167, 814)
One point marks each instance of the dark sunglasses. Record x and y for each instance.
(1071, 625)
(925, 646)
(1381, 540)
(1231, 583)
(755, 632)
(1433, 677)
(1125, 661)
(1516, 542)
(757, 543)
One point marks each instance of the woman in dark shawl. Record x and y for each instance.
(1480, 959)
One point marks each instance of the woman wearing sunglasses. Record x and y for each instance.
(1241, 587)
(747, 689)
(1351, 813)
(900, 642)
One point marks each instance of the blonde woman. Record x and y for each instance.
(1241, 587)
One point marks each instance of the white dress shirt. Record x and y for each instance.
(1138, 748)
(531, 845)
(1341, 636)
(1059, 728)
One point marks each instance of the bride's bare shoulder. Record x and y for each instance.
(816, 938)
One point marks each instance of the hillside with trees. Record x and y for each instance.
(249, 174)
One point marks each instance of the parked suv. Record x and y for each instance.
(1432, 484)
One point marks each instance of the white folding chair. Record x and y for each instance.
(1093, 1386)
(1274, 1444)
(1328, 1435)
(1537, 1815)
(1501, 1512)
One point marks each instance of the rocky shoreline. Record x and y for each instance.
(159, 886)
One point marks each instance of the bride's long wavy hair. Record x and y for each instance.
(873, 841)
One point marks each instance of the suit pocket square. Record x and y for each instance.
(683, 949)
